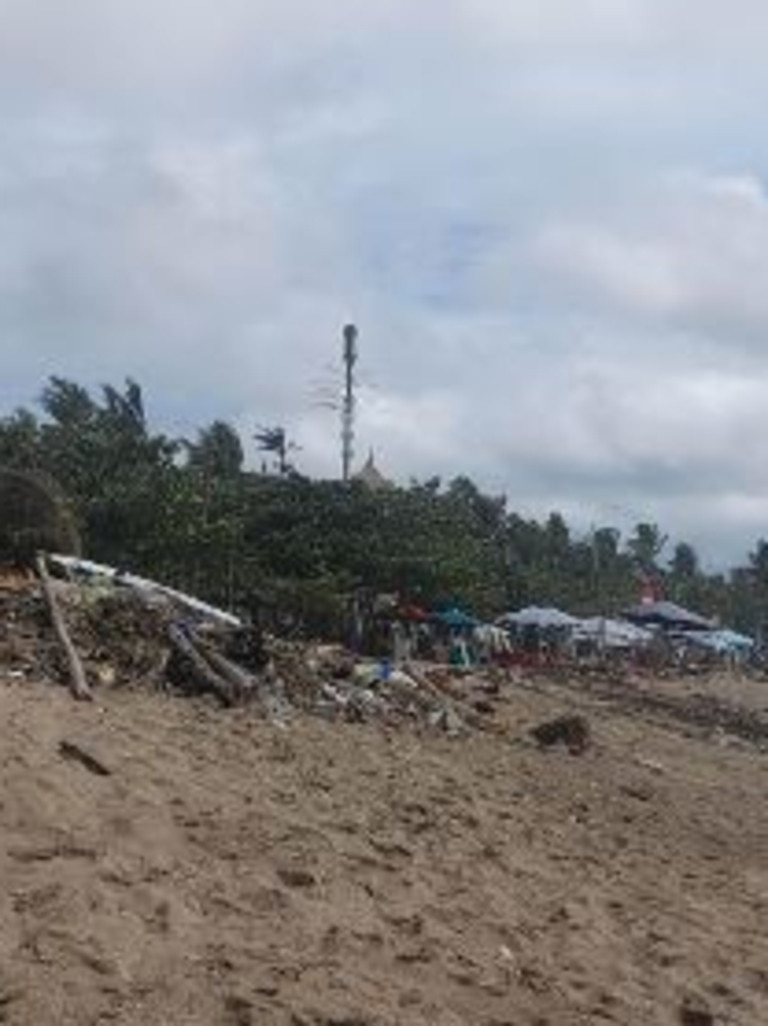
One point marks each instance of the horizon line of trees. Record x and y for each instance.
(188, 512)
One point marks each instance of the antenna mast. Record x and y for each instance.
(350, 334)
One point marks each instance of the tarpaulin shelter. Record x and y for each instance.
(667, 615)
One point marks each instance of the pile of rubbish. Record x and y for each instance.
(93, 628)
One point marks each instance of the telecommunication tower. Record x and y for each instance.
(350, 334)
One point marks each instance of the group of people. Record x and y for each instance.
(434, 642)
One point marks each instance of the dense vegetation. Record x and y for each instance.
(187, 512)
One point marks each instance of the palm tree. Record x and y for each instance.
(274, 440)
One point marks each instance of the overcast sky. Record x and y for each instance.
(549, 220)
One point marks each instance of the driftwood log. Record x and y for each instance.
(76, 753)
(245, 684)
(77, 679)
(208, 678)
(230, 682)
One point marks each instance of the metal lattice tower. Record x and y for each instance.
(350, 334)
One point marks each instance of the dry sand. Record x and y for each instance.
(229, 871)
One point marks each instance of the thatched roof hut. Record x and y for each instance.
(34, 515)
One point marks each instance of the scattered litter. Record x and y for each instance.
(447, 720)
(571, 731)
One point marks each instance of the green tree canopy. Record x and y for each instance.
(209, 525)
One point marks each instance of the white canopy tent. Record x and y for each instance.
(611, 633)
(542, 617)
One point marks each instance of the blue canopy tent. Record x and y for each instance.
(724, 642)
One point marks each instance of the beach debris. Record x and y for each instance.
(694, 1012)
(571, 731)
(76, 753)
(97, 629)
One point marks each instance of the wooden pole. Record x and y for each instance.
(77, 680)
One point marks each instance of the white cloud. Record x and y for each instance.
(694, 250)
(648, 27)
(200, 195)
(552, 22)
(143, 49)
